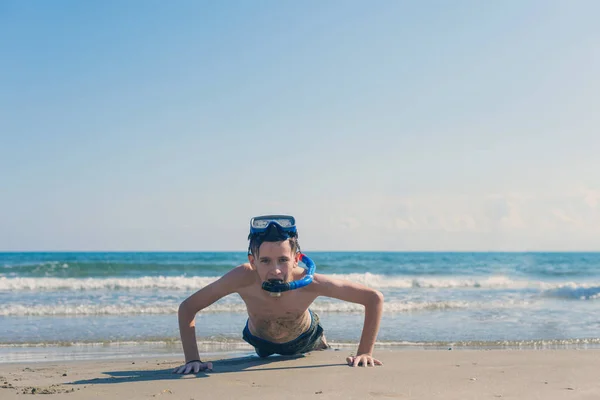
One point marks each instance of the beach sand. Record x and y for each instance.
(406, 374)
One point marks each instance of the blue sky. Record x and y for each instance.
(386, 125)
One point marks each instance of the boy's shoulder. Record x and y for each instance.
(242, 271)
(242, 275)
(324, 278)
(321, 282)
(244, 268)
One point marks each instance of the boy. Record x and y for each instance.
(279, 323)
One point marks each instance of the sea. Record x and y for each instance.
(106, 305)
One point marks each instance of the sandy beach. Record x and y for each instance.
(406, 374)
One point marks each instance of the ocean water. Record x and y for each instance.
(57, 306)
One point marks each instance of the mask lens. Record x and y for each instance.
(285, 223)
(262, 223)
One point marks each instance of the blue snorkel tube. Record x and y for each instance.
(278, 286)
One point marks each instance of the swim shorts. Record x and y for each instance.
(307, 341)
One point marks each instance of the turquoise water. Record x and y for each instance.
(113, 303)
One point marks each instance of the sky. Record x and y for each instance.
(383, 125)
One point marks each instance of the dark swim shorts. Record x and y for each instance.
(308, 341)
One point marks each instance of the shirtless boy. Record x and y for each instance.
(279, 323)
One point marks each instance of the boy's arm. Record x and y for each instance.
(227, 284)
(360, 294)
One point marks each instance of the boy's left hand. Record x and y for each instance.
(362, 360)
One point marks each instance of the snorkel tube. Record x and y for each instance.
(276, 287)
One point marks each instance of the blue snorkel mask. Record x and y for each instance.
(273, 228)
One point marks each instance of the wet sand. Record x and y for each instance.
(406, 374)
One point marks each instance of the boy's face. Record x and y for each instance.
(274, 261)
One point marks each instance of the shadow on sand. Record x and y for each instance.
(219, 366)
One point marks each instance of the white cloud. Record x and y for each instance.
(591, 198)
(515, 221)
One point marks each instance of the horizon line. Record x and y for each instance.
(312, 251)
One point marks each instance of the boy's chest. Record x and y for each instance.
(290, 305)
(280, 318)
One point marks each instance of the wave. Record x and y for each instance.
(377, 281)
(385, 281)
(573, 291)
(238, 307)
(71, 269)
(134, 264)
(145, 282)
(231, 343)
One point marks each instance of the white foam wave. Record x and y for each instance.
(491, 282)
(106, 309)
(384, 281)
(394, 306)
(229, 344)
(184, 283)
(574, 292)
(238, 307)
(145, 282)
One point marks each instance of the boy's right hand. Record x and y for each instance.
(193, 367)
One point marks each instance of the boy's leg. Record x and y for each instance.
(263, 353)
(323, 345)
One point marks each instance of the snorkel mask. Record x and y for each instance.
(273, 228)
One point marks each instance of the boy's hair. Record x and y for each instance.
(272, 235)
